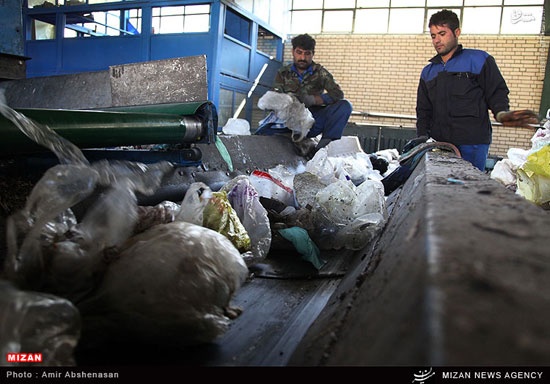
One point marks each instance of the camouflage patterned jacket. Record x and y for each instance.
(287, 80)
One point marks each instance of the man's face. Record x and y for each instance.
(302, 58)
(443, 39)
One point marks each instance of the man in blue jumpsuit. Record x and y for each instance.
(456, 91)
(314, 86)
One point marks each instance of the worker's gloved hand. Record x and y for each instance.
(308, 100)
(414, 142)
(521, 118)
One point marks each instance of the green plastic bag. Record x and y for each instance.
(304, 245)
(220, 216)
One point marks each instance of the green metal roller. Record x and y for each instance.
(113, 127)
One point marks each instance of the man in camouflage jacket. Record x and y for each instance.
(314, 86)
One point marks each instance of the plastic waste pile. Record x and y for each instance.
(338, 199)
(82, 239)
(85, 250)
(527, 172)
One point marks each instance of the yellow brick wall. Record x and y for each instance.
(380, 73)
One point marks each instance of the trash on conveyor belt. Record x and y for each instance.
(527, 172)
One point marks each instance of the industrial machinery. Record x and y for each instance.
(118, 111)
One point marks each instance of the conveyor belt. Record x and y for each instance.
(277, 312)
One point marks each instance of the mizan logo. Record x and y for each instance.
(422, 376)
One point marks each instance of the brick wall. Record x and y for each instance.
(380, 73)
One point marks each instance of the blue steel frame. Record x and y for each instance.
(231, 63)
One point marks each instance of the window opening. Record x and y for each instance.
(181, 19)
(412, 16)
(268, 43)
(237, 26)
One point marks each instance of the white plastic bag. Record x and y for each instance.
(341, 162)
(272, 188)
(517, 157)
(162, 213)
(540, 138)
(246, 202)
(171, 286)
(66, 258)
(236, 127)
(192, 207)
(290, 110)
(504, 172)
(345, 216)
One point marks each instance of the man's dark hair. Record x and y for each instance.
(445, 17)
(304, 41)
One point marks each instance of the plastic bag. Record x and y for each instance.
(348, 217)
(504, 172)
(171, 286)
(517, 157)
(32, 322)
(304, 245)
(46, 252)
(331, 165)
(541, 138)
(272, 188)
(59, 188)
(246, 202)
(161, 213)
(192, 207)
(306, 187)
(290, 110)
(236, 127)
(534, 177)
(219, 216)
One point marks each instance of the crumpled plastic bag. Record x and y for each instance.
(271, 187)
(302, 242)
(541, 137)
(171, 286)
(33, 322)
(517, 157)
(162, 213)
(356, 167)
(345, 216)
(505, 173)
(49, 250)
(220, 216)
(533, 178)
(290, 110)
(245, 200)
(192, 206)
(236, 127)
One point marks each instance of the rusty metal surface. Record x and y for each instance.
(88, 90)
(159, 82)
(156, 82)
